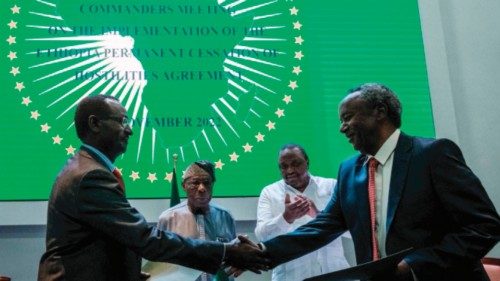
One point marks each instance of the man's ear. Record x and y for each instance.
(381, 111)
(94, 125)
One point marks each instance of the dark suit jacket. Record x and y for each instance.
(94, 234)
(436, 204)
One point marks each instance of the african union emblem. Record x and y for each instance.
(202, 79)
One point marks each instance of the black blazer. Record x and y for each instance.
(94, 234)
(436, 204)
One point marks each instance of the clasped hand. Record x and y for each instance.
(242, 254)
(300, 207)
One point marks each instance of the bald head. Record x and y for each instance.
(95, 105)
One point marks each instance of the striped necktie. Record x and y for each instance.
(372, 167)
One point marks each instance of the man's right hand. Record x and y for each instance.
(243, 254)
(296, 209)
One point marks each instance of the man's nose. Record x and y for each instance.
(202, 188)
(128, 130)
(343, 127)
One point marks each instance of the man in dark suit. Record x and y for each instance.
(423, 196)
(92, 231)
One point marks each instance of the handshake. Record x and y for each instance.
(242, 254)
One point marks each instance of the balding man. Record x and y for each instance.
(93, 233)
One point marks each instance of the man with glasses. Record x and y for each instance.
(291, 202)
(92, 231)
(197, 217)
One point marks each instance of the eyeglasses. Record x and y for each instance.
(122, 120)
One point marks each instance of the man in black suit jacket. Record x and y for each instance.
(92, 231)
(426, 198)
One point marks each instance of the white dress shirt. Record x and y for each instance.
(270, 223)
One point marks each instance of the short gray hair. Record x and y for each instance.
(376, 94)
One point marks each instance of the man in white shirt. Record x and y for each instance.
(291, 202)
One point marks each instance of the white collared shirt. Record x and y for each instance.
(270, 223)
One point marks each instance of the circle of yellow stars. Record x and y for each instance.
(12, 40)
(287, 98)
(15, 70)
(233, 157)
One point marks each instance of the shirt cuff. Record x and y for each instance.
(283, 224)
(261, 246)
(223, 260)
(413, 274)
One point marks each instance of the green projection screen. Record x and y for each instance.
(230, 81)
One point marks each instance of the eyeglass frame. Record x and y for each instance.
(124, 121)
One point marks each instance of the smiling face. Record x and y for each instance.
(360, 124)
(294, 168)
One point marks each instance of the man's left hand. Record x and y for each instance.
(313, 210)
(403, 272)
(243, 254)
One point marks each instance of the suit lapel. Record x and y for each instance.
(402, 155)
(360, 188)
